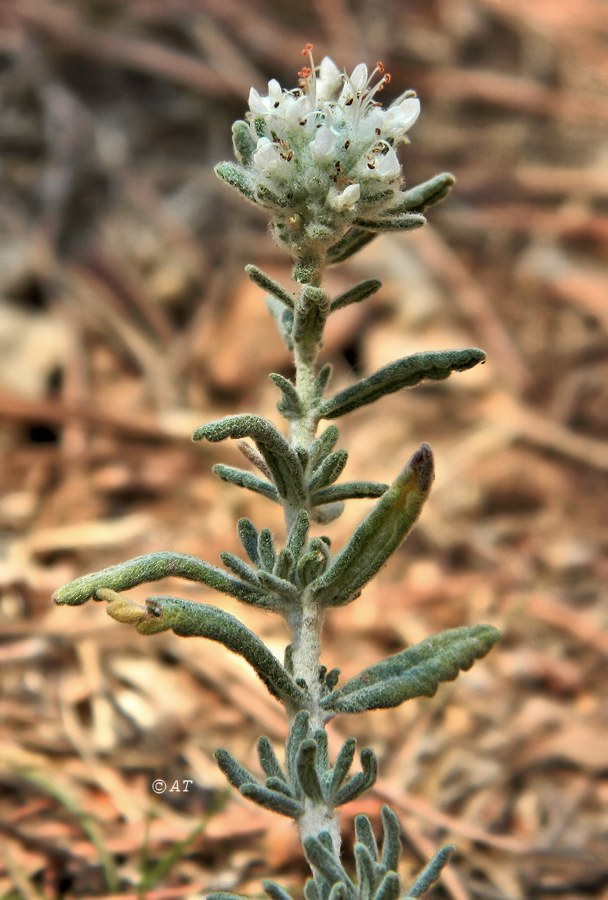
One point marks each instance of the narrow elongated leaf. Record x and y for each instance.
(306, 764)
(298, 732)
(348, 490)
(289, 405)
(325, 861)
(365, 835)
(343, 763)
(272, 800)
(190, 619)
(236, 774)
(431, 872)
(391, 842)
(402, 373)
(153, 567)
(237, 178)
(275, 891)
(366, 871)
(243, 143)
(400, 222)
(268, 759)
(243, 478)
(354, 239)
(379, 534)
(278, 455)
(240, 567)
(323, 445)
(415, 672)
(389, 887)
(328, 471)
(356, 294)
(361, 781)
(248, 535)
(298, 534)
(269, 284)
(422, 196)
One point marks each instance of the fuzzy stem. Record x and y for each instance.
(307, 627)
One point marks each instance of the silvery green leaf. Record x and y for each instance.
(328, 471)
(348, 490)
(266, 551)
(237, 178)
(402, 373)
(275, 891)
(236, 774)
(298, 534)
(354, 239)
(328, 865)
(306, 767)
(400, 222)
(366, 871)
(289, 405)
(283, 317)
(431, 872)
(153, 567)
(192, 619)
(422, 196)
(415, 672)
(240, 567)
(243, 142)
(342, 764)
(272, 800)
(243, 478)
(379, 534)
(268, 759)
(278, 455)
(365, 835)
(323, 445)
(356, 294)
(310, 312)
(361, 781)
(248, 535)
(391, 842)
(389, 887)
(269, 284)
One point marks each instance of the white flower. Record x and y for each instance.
(346, 199)
(323, 148)
(329, 80)
(400, 116)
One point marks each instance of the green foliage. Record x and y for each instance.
(321, 219)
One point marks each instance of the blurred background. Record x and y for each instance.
(126, 320)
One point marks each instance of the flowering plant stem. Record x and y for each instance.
(321, 160)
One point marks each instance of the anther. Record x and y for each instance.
(306, 50)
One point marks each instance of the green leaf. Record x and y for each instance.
(236, 178)
(306, 766)
(248, 535)
(400, 374)
(272, 800)
(269, 284)
(191, 619)
(354, 239)
(248, 480)
(243, 142)
(268, 759)
(289, 405)
(283, 317)
(275, 891)
(391, 842)
(365, 835)
(422, 196)
(236, 774)
(342, 764)
(240, 567)
(379, 534)
(389, 887)
(278, 455)
(328, 471)
(311, 311)
(431, 872)
(361, 781)
(356, 294)
(400, 222)
(348, 490)
(298, 534)
(323, 445)
(415, 672)
(325, 861)
(153, 567)
(298, 732)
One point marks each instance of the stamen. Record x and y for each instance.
(307, 49)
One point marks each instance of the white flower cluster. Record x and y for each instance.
(322, 155)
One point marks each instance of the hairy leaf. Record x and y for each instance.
(415, 672)
(379, 534)
(402, 373)
(278, 455)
